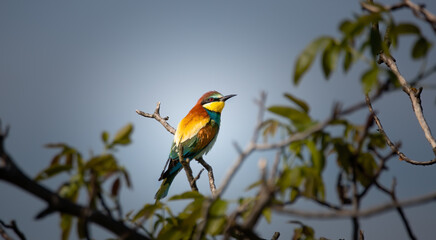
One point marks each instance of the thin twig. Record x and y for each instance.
(414, 98)
(393, 147)
(418, 10)
(14, 227)
(249, 149)
(361, 213)
(156, 115)
(210, 174)
(11, 173)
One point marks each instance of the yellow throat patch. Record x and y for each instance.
(214, 106)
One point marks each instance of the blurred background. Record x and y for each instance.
(69, 70)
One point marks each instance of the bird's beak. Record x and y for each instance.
(223, 99)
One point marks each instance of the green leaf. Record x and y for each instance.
(294, 194)
(52, 171)
(290, 177)
(370, 79)
(298, 118)
(270, 128)
(330, 58)
(267, 214)
(70, 190)
(302, 104)
(405, 28)
(375, 41)
(122, 137)
(187, 195)
(348, 59)
(307, 56)
(105, 137)
(217, 217)
(81, 228)
(368, 166)
(66, 222)
(420, 48)
(147, 211)
(376, 140)
(102, 162)
(318, 160)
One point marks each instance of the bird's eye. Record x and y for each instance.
(210, 100)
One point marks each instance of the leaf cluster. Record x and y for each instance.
(361, 39)
(89, 176)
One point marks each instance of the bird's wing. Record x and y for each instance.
(202, 142)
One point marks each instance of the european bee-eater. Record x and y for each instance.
(196, 132)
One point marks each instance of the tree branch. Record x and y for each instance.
(11, 173)
(418, 10)
(414, 98)
(156, 115)
(210, 174)
(361, 213)
(14, 227)
(393, 147)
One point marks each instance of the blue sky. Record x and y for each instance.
(69, 70)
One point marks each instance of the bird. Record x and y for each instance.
(196, 134)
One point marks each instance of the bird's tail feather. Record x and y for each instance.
(165, 186)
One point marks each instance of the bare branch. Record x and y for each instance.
(418, 10)
(156, 115)
(14, 227)
(361, 213)
(4, 234)
(393, 147)
(248, 150)
(11, 173)
(414, 98)
(210, 174)
(399, 209)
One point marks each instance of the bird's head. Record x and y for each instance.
(214, 101)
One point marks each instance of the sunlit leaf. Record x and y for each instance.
(105, 137)
(66, 222)
(267, 214)
(123, 135)
(318, 160)
(187, 195)
(298, 118)
(147, 211)
(52, 171)
(217, 217)
(101, 162)
(270, 128)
